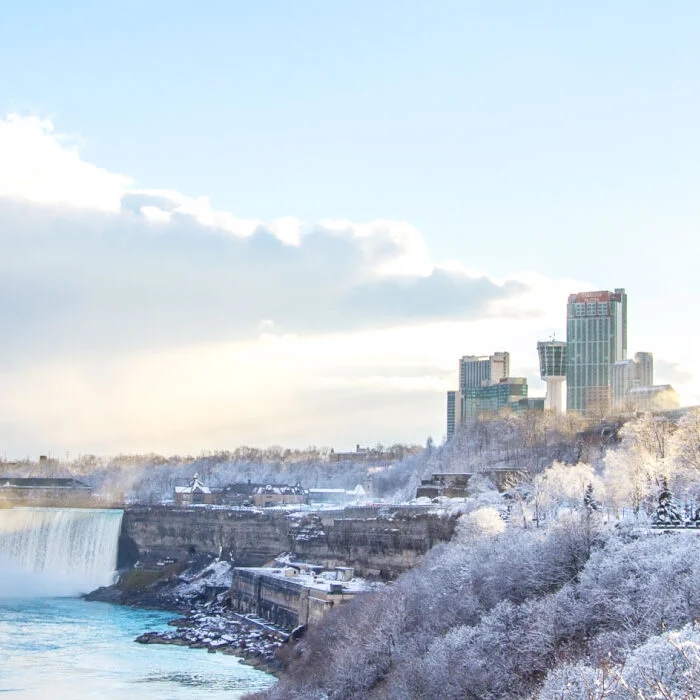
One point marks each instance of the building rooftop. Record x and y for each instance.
(281, 490)
(194, 486)
(312, 578)
(651, 389)
(42, 483)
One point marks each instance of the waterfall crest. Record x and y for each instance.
(57, 551)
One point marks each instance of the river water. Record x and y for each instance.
(69, 649)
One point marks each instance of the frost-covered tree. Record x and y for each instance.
(666, 513)
(493, 615)
(480, 522)
(530, 441)
(634, 470)
(686, 441)
(665, 667)
(650, 434)
(685, 457)
(566, 484)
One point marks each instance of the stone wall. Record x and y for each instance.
(373, 546)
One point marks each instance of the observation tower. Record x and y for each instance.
(552, 354)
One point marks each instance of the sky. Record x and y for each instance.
(231, 223)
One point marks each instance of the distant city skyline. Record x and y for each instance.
(233, 225)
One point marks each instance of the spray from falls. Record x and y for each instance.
(57, 551)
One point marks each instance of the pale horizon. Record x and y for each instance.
(247, 245)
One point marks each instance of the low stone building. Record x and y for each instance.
(238, 494)
(269, 495)
(293, 594)
(45, 492)
(374, 455)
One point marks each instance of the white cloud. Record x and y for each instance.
(380, 241)
(42, 166)
(145, 319)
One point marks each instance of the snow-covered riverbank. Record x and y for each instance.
(217, 628)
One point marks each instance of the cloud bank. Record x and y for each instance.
(96, 265)
(147, 319)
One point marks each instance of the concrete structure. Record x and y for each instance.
(552, 357)
(294, 594)
(628, 375)
(596, 338)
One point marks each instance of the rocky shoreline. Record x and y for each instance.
(216, 628)
(207, 621)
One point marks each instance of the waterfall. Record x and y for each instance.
(57, 551)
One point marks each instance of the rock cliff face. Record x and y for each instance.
(383, 546)
(373, 546)
(249, 538)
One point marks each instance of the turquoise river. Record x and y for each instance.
(69, 649)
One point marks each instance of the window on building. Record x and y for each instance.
(591, 308)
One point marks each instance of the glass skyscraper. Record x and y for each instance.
(596, 338)
(475, 370)
(451, 408)
(491, 398)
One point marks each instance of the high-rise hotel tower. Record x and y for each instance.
(596, 338)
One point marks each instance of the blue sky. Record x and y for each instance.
(547, 138)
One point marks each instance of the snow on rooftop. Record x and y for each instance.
(194, 486)
(318, 581)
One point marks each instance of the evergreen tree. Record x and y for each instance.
(666, 514)
(589, 502)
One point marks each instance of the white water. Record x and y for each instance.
(57, 551)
